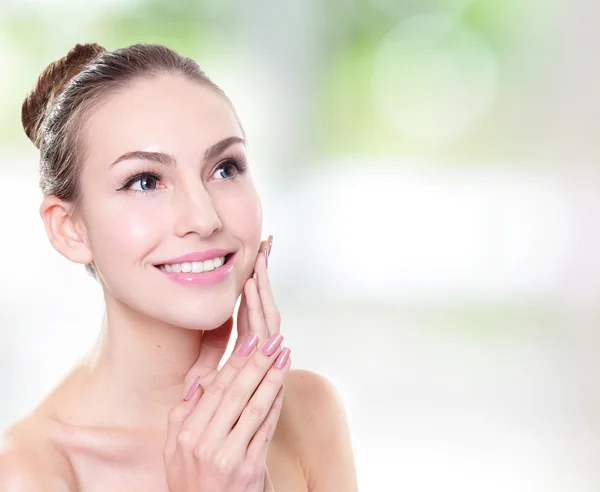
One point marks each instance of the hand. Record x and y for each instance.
(218, 438)
(190, 453)
(257, 307)
(257, 298)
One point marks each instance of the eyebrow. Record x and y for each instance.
(170, 161)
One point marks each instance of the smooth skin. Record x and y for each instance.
(118, 421)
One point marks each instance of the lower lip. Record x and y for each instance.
(213, 277)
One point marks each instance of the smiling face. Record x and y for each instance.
(164, 177)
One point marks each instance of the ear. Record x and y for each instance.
(66, 233)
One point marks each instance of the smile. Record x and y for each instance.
(197, 270)
(196, 266)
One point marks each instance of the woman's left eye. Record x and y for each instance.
(227, 169)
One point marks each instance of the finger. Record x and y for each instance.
(256, 317)
(214, 345)
(260, 442)
(243, 326)
(220, 388)
(264, 246)
(179, 413)
(255, 411)
(243, 323)
(270, 310)
(247, 392)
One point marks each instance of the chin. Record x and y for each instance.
(205, 321)
(192, 316)
(178, 306)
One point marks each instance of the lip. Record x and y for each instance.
(198, 256)
(213, 277)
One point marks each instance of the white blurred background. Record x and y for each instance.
(430, 172)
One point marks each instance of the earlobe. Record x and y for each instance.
(66, 234)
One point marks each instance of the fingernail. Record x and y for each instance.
(267, 251)
(248, 345)
(282, 358)
(272, 344)
(193, 388)
(270, 242)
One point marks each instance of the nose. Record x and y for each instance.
(196, 213)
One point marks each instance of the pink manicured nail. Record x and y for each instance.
(267, 250)
(193, 388)
(282, 358)
(246, 348)
(272, 344)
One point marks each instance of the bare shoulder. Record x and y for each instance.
(312, 402)
(315, 417)
(30, 461)
(313, 395)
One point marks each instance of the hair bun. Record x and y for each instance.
(50, 83)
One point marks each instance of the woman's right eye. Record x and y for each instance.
(143, 182)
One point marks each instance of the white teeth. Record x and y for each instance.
(196, 266)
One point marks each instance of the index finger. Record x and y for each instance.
(244, 327)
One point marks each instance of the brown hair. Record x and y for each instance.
(68, 89)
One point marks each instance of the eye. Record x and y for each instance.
(143, 182)
(228, 169)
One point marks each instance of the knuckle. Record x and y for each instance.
(177, 414)
(216, 388)
(277, 316)
(257, 363)
(248, 472)
(277, 405)
(238, 362)
(225, 464)
(203, 453)
(274, 378)
(256, 411)
(235, 395)
(185, 440)
(265, 432)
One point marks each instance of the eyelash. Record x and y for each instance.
(239, 163)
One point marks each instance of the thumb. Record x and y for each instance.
(180, 412)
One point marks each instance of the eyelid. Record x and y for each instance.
(239, 161)
(135, 177)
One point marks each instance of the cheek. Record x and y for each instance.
(122, 235)
(240, 211)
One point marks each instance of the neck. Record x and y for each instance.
(137, 368)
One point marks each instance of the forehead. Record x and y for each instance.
(168, 113)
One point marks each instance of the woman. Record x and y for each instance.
(145, 182)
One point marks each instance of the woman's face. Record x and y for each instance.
(163, 178)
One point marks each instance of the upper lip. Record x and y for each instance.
(197, 256)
